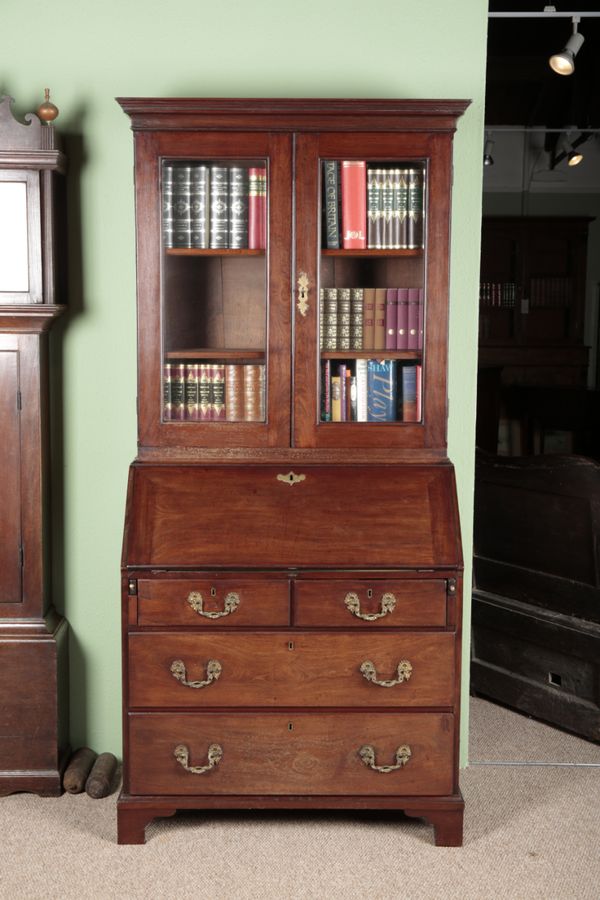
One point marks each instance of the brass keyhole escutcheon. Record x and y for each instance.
(213, 592)
(290, 645)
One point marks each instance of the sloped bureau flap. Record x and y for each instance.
(344, 516)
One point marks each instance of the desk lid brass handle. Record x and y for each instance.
(369, 672)
(388, 605)
(230, 604)
(182, 755)
(367, 754)
(213, 671)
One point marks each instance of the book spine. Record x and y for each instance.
(421, 320)
(264, 209)
(379, 327)
(369, 318)
(326, 390)
(178, 392)
(344, 318)
(357, 299)
(388, 208)
(413, 318)
(401, 208)
(395, 229)
(191, 392)
(353, 397)
(254, 208)
(381, 390)
(167, 204)
(419, 392)
(234, 393)
(219, 208)
(167, 392)
(238, 207)
(262, 392)
(336, 409)
(391, 318)
(361, 389)
(218, 392)
(402, 335)
(415, 209)
(182, 219)
(322, 319)
(409, 394)
(331, 203)
(372, 209)
(200, 222)
(253, 389)
(354, 204)
(330, 337)
(204, 392)
(343, 388)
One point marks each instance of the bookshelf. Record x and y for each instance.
(262, 532)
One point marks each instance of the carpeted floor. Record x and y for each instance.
(530, 832)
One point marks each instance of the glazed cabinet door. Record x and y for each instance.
(213, 258)
(372, 228)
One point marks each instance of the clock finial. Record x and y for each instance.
(47, 111)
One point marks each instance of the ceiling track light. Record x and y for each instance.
(563, 63)
(488, 159)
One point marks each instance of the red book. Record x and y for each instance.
(421, 325)
(402, 335)
(413, 318)
(419, 393)
(263, 208)
(254, 209)
(354, 204)
(391, 318)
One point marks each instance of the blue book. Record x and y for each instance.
(382, 390)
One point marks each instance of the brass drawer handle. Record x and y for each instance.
(231, 603)
(213, 671)
(182, 755)
(368, 671)
(367, 754)
(388, 605)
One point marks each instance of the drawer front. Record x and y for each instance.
(213, 603)
(372, 604)
(291, 669)
(295, 753)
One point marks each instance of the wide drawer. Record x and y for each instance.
(373, 604)
(213, 602)
(291, 669)
(293, 753)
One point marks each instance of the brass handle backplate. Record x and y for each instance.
(367, 754)
(231, 603)
(291, 478)
(388, 605)
(303, 285)
(368, 671)
(213, 671)
(182, 755)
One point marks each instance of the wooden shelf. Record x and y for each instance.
(371, 354)
(194, 251)
(373, 253)
(203, 353)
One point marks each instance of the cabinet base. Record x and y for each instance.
(444, 813)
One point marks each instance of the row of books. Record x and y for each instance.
(502, 293)
(371, 318)
(551, 291)
(370, 390)
(367, 207)
(215, 392)
(214, 206)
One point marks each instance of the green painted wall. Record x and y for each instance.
(89, 53)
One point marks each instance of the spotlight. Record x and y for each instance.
(563, 63)
(574, 157)
(488, 159)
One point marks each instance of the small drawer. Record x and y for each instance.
(291, 753)
(372, 604)
(291, 669)
(217, 602)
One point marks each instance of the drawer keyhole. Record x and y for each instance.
(290, 726)
(369, 593)
(213, 592)
(290, 645)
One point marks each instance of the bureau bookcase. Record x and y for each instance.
(292, 569)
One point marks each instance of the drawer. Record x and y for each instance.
(373, 604)
(293, 753)
(291, 669)
(213, 602)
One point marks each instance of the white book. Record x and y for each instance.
(361, 390)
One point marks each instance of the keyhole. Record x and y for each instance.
(213, 592)
(369, 593)
(290, 478)
(290, 645)
(290, 726)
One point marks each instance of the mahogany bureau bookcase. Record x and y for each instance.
(292, 569)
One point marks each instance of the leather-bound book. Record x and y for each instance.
(354, 204)
(322, 319)
(391, 318)
(421, 320)
(415, 209)
(254, 208)
(357, 299)
(402, 330)
(234, 393)
(182, 216)
(413, 318)
(336, 406)
(379, 327)
(326, 390)
(167, 204)
(238, 207)
(343, 318)
(374, 209)
(388, 208)
(264, 208)
(409, 394)
(369, 319)
(167, 392)
(252, 392)
(382, 398)
(204, 392)
(419, 391)
(192, 403)
(219, 207)
(200, 206)
(330, 335)
(217, 399)
(178, 392)
(331, 203)
(401, 207)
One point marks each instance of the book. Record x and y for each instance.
(167, 204)
(254, 402)
(409, 394)
(262, 182)
(402, 329)
(331, 203)
(379, 326)
(356, 318)
(326, 390)
(178, 392)
(354, 204)
(199, 206)
(330, 328)
(415, 209)
(217, 398)
(321, 318)
(413, 318)
(254, 208)
(167, 392)
(234, 393)
(238, 207)
(373, 209)
(352, 397)
(219, 207)
(420, 320)
(204, 392)
(342, 370)
(387, 200)
(391, 318)
(336, 409)
(381, 390)
(361, 389)
(369, 318)
(191, 392)
(401, 207)
(182, 221)
(395, 227)
(343, 318)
